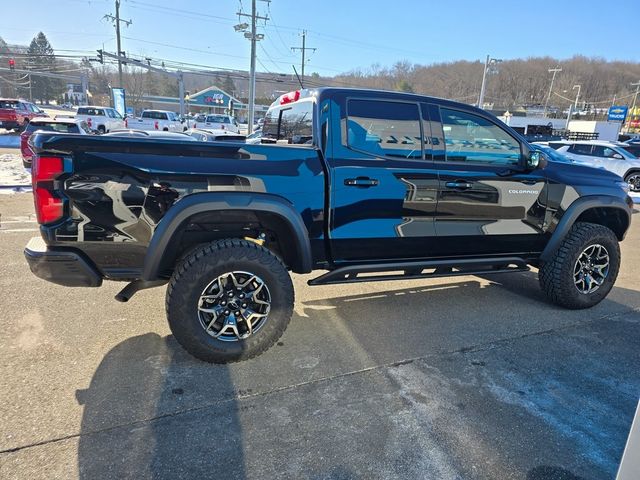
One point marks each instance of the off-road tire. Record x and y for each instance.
(557, 275)
(198, 269)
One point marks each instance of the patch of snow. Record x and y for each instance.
(13, 174)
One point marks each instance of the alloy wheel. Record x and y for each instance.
(591, 269)
(234, 306)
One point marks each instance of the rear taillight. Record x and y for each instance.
(45, 170)
(48, 208)
(24, 145)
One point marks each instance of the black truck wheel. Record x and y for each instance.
(229, 300)
(584, 268)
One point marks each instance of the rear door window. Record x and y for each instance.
(292, 124)
(384, 128)
(581, 149)
(95, 112)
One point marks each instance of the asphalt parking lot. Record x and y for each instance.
(448, 378)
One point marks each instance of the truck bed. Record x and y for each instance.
(117, 190)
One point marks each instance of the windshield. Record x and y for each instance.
(8, 104)
(218, 119)
(53, 127)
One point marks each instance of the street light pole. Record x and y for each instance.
(572, 107)
(635, 95)
(484, 81)
(553, 78)
(489, 67)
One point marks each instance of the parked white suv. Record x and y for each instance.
(100, 119)
(162, 120)
(608, 155)
(219, 122)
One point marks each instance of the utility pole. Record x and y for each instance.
(254, 37)
(303, 49)
(553, 78)
(116, 21)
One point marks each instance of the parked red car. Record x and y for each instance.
(16, 114)
(59, 125)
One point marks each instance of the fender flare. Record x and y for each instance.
(174, 220)
(572, 213)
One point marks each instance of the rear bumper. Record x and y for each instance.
(66, 267)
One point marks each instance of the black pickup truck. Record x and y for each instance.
(366, 185)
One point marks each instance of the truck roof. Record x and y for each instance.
(321, 92)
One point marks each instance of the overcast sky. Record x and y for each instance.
(347, 33)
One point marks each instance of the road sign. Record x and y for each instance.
(617, 113)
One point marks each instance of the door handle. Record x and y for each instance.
(529, 181)
(361, 182)
(458, 185)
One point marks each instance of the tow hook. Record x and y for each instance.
(132, 288)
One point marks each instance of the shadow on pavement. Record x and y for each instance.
(130, 427)
(551, 473)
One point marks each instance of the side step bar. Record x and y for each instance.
(409, 270)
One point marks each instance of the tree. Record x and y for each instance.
(41, 58)
(404, 86)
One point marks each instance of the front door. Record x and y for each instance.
(486, 203)
(383, 189)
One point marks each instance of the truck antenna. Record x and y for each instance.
(299, 80)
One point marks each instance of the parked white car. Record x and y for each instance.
(608, 155)
(100, 119)
(219, 122)
(162, 120)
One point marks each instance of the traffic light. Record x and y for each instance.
(100, 57)
(12, 64)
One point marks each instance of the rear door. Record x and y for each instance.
(383, 186)
(486, 203)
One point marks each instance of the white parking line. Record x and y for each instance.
(15, 230)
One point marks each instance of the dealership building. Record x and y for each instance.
(209, 100)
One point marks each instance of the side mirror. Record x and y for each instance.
(534, 160)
